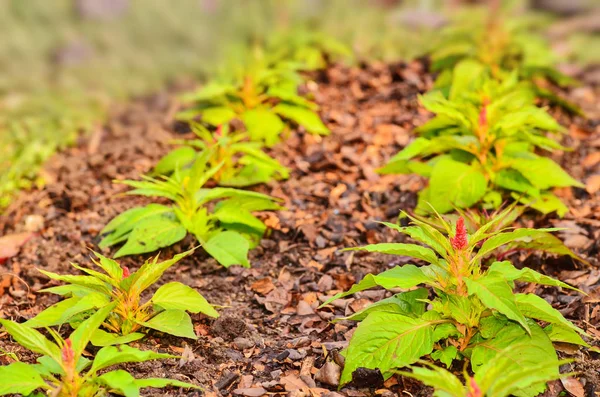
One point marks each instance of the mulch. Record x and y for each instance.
(270, 337)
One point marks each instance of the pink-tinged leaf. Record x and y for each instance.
(10, 244)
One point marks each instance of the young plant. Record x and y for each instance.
(227, 232)
(472, 314)
(63, 371)
(243, 162)
(262, 98)
(501, 47)
(480, 147)
(499, 377)
(312, 50)
(165, 310)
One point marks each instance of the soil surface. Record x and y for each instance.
(271, 338)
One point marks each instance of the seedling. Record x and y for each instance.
(310, 49)
(480, 147)
(262, 98)
(227, 232)
(501, 47)
(473, 313)
(63, 371)
(243, 162)
(165, 311)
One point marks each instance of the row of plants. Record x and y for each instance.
(105, 306)
(489, 138)
(482, 147)
(264, 99)
(470, 313)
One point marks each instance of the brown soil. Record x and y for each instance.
(270, 334)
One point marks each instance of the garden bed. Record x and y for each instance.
(270, 337)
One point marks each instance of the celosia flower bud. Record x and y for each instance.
(459, 241)
(126, 272)
(67, 353)
(483, 116)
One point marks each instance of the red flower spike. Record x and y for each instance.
(67, 353)
(126, 272)
(474, 389)
(483, 116)
(459, 241)
(219, 131)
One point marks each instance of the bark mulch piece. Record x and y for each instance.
(270, 337)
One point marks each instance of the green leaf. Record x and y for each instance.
(425, 234)
(31, 339)
(533, 306)
(446, 355)
(151, 234)
(120, 226)
(82, 335)
(543, 173)
(175, 295)
(216, 116)
(445, 383)
(173, 322)
(387, 341)
(113, 355)
(463, 75)
(177, 158)
(20, 378)
(406, 276)
(263, 124)
(102, 338)
(228, 216)
(455, 184)
(409, 303)
(410, 250)
(228, 248)
(120, 380)
(85, 281)
(501, 239)
(501, 377)
(151, 271)
(496, 293)
(531, 348)
(52, 315)
(559, 333)
(303, 117)
(507, 271)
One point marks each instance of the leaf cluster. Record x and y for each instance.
(219, 218)
(62, 370)
(242, 162)
(481, 146)
(164, 311)
(501, 45)
(473, 313)
(263, 95)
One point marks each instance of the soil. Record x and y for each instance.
(270, 337)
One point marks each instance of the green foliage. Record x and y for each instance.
(480, 147)
(501, 45)
(498, 377)
(226, 232)
(501, 220)
(309, 48)
(262, 96)
(242, 162)
(474, 313)
(165, 311)
(63, 371)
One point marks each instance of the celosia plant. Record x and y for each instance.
(472, 315)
